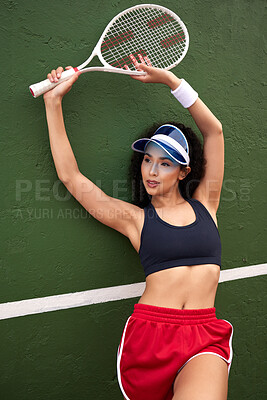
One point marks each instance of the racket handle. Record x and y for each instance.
(42, 87)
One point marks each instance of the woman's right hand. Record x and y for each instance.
(153, 75)
(59, 91)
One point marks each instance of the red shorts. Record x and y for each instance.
(157, 342)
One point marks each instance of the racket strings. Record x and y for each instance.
(148, 40)
(134, 46)
(150, 32)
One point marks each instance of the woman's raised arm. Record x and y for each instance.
(62, 153)
(209, 188)
(115, 213)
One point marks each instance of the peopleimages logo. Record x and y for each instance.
(44, 191)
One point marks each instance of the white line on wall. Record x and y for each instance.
(103, 295)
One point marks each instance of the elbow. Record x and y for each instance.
(213, 129)
(220, 128)
(65, 179)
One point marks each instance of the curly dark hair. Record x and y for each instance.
(188, 185)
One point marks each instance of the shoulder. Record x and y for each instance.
(210, 208)
(137, 216)
(135, 225)
(206, 200)
(129, 212)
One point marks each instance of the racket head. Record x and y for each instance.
(148, 29)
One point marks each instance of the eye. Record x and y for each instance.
(164, 163)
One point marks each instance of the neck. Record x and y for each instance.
(167, 200)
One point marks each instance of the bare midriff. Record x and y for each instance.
(187, 287)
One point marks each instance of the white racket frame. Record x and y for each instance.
(41, 87)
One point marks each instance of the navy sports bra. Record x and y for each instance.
(165, 246)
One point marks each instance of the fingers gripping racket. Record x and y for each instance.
(147, 29)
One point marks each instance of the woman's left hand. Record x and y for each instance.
(153, 75)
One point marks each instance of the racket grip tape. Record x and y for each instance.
(44, 86)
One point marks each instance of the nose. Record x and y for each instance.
(153, 170)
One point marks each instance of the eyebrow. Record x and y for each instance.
(161, 158)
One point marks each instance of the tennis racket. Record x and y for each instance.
(147, 29)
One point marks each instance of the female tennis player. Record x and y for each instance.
(173, 346)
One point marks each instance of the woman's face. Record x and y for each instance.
(158, 166)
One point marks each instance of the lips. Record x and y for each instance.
(152, 184)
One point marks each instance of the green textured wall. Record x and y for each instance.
(50, 245)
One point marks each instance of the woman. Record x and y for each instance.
(175, 233)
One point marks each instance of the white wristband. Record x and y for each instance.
(185, 94)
